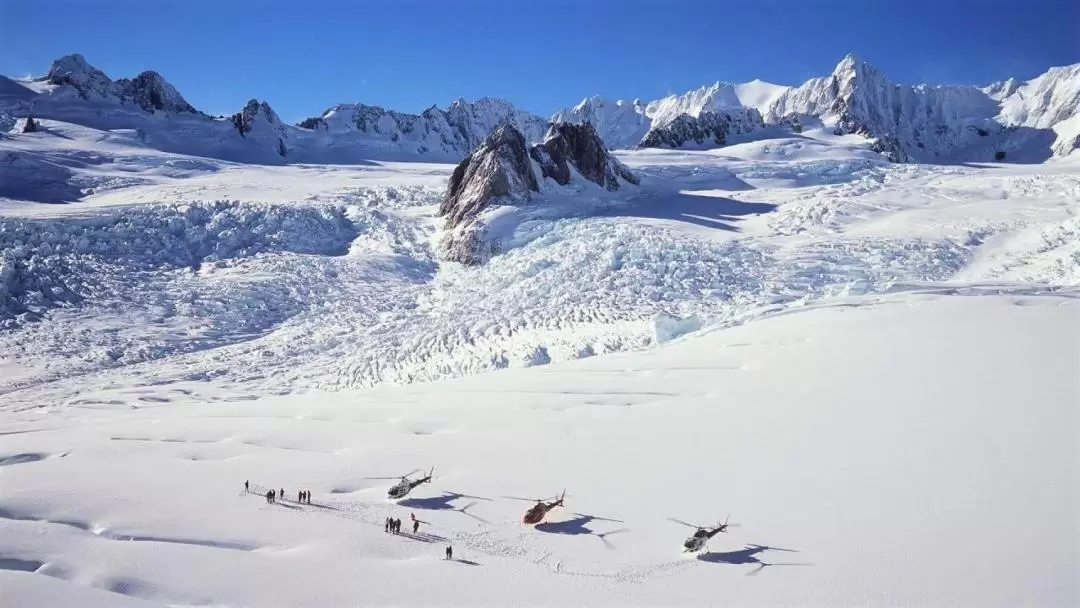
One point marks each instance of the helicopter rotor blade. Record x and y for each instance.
(395, 476)
(524, 499)
(679, 521)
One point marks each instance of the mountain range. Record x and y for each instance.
(1025, 121)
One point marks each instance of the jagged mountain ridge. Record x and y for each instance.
(925, 123)
(922, 122)
(75, 91)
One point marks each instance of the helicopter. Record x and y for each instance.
(403, 487)
(536, 514)
(697, 541)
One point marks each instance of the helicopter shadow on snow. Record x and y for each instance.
(578, 525)
(443, 502)
(749, 555)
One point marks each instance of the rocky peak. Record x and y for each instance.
(578, 145)
(88, 81)
(259, 121)
(497, 171)
(151, 92)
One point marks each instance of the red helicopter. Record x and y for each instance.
(536, 514)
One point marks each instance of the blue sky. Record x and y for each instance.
(409, 54)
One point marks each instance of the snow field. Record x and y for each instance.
(899, 457)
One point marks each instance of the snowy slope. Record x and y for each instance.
(877, 452)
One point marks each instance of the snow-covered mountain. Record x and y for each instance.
(1010, 120)
(922, 122)
(75, 91)
(704, 114)
(452, 132)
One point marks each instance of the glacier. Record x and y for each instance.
(195, 309)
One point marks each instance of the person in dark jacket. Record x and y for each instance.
(247, 486)
(449, 552)
(415, 525)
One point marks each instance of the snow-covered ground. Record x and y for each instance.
(901, 450)
(873, 365)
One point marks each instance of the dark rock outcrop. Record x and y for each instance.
(498, 171)
(88, 81)
(710, 128)
(259, 121)
(29, 126)
(149, 90)
(579, 146)
(153, 93)
(891, 148)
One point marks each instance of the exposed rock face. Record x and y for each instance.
(578, 146)
(88, 81)
(27, 125)
(890, 148)
(149, 90)
(259, 121)
(500, 172)
(712, 128)
(498, 169)
(152, 93)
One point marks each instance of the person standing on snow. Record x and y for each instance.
(247, 486)
(415, 525)
(449, 552)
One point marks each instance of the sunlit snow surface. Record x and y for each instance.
(910, 430)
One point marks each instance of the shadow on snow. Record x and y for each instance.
(748, 555)
(708, 211)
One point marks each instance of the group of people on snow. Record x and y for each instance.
(391, 525)
(303, 497)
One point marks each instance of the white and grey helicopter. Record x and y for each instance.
(406, 485)
(702, 534)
